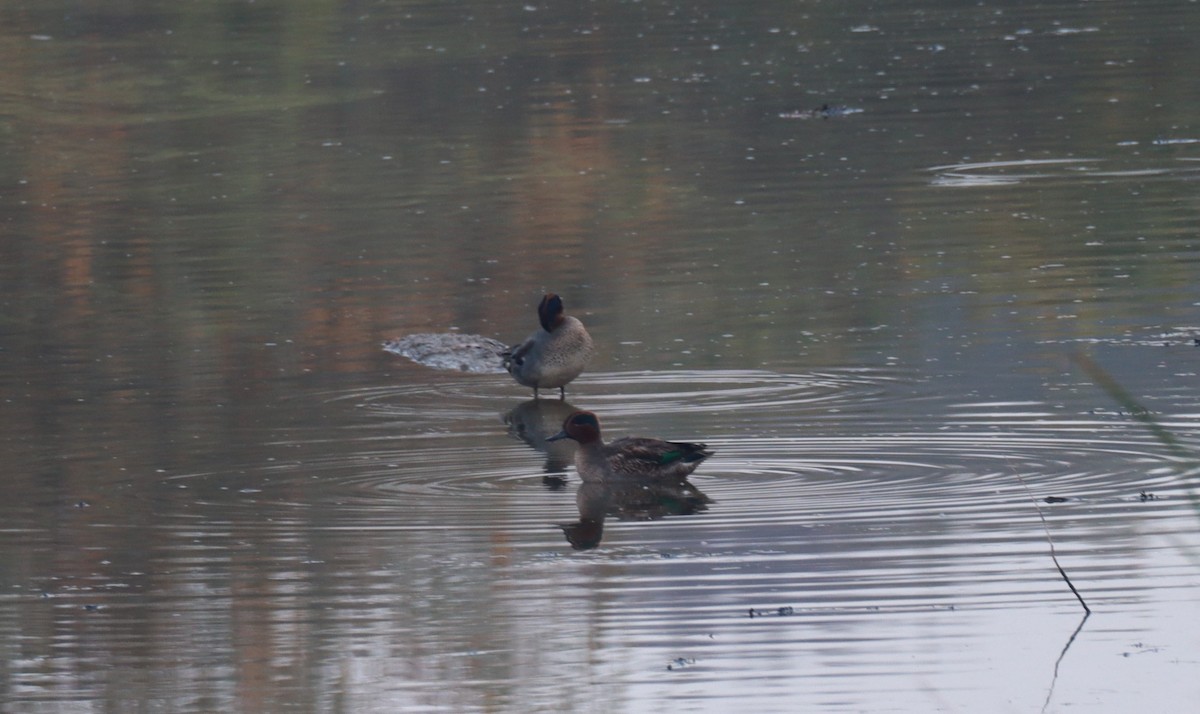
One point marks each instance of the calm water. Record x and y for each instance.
(899, 323)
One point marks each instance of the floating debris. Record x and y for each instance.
(777, 612)
(451, 351)
(680, 663)
(825, 111)
(1055, 499)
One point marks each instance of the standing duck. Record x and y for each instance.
(630, 457)
(553, 355)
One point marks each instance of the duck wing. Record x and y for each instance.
(655, 457)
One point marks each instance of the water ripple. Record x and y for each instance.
(641, 392)
(460, 454)
(1003, 173)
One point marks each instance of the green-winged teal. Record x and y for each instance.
(630, 457)
(553, 355)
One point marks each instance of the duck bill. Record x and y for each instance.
(559, 436)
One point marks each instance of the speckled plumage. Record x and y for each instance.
(553, 355)
(630, 457)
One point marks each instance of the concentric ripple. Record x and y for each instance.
(643, 392)
(464, 453)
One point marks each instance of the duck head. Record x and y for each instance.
(550, 312)
(583, 427)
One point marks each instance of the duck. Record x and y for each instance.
(553, 355)
(630, 457)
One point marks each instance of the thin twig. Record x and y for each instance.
(1053, 554)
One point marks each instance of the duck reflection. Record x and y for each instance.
(629, 499)
(533, 422)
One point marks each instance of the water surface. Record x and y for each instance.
(223, 495)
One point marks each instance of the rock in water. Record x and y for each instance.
(451, 351)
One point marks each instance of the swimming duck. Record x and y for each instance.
(553, 355)
(630, 457)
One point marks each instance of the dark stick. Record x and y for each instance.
(1053, 554)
